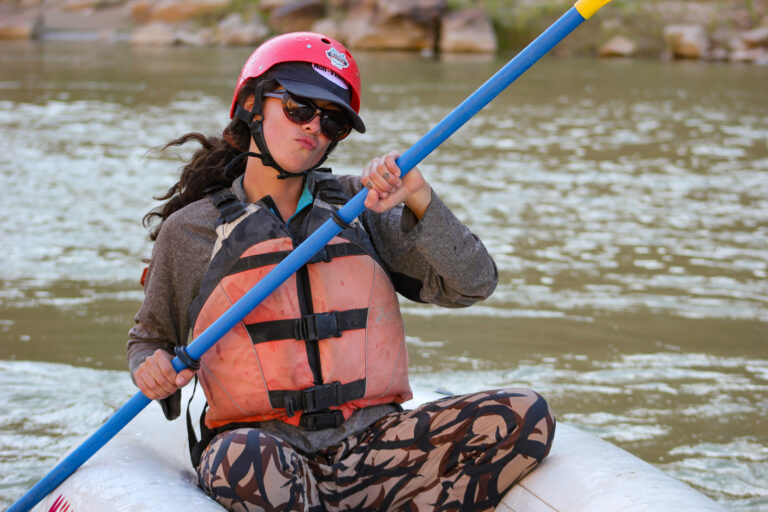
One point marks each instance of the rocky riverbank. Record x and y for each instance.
(735, 30)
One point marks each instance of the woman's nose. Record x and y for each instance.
(313, 126)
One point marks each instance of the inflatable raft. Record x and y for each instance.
(146, 468)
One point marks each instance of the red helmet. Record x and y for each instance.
(307, 47)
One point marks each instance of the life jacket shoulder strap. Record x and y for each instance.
(327, 189)
(229, 207)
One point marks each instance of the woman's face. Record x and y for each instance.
(295, 147)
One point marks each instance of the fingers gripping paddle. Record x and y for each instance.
(582, 10)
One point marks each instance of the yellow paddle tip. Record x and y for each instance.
(589, 7)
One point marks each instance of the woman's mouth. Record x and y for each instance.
(307, 143)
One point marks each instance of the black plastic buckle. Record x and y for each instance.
(321, 397)
(317, 327)
(321, 420)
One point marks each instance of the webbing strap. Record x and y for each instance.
(326, 254)
(317, 326)
(196, 447)
(228, 205)
(317, 398)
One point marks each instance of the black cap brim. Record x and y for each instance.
(301, 79)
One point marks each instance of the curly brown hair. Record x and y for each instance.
(207, 170)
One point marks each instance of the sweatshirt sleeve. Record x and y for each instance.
(436, 259)
(179, 261)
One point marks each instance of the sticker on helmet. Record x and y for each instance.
(330, 75)
(337, 58)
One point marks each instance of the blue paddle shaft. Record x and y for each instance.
(299, 257)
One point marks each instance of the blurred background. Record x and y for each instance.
(624, 199)
(719, 30)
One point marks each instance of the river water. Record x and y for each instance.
(625, 203)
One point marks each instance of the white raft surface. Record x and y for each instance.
(146, 468)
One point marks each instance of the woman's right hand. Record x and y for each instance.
(156, 377)
(386, 190)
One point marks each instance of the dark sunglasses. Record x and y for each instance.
(333, 123)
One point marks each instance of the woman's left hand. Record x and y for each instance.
(386, 190)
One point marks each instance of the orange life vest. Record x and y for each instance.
(326, 342)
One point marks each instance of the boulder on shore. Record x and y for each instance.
(235, 31)
(618, 46)
(296, 16)
(79, 5)
(140, 10)
(753, 55)
(154, 34)
(421, 11)
(687, 41)
(192, 38)
(756, 37)
(392, 24)
(328, 27)
(467, 30)
(268, 6)
(171, 11)
(21, 25)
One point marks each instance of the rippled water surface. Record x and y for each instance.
(625, 203)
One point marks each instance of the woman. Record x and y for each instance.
(303, 395)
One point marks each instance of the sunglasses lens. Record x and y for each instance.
(297, 111)
(334, 126)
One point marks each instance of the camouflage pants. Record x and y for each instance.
(458, 453)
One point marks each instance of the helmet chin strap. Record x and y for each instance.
(254, 119)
